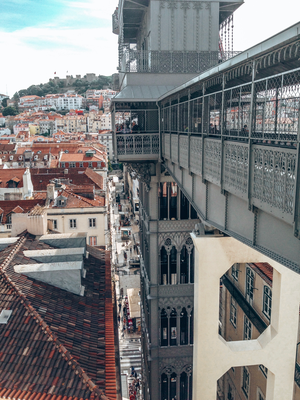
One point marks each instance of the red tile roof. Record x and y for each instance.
(56, 344)
(265, 270)
(17, 206)
(7, 175)
(40, 177)
(76, 201)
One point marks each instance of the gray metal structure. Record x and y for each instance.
(163, 44)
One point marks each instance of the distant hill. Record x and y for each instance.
(57, 85)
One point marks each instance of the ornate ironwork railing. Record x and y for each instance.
(272, 169)
(115, 22)
(145, 61)
(137, 144)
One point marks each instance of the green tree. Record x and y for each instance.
(4, 102)
(16, 99)
(9, 111)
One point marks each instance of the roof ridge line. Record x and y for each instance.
(77, 196)
(13, 252)
(66, 355)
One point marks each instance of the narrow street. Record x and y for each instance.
(124, 237)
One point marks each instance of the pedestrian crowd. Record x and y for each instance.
(134, 386)
(124, 317)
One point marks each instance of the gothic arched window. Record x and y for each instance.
(184, 264)
(164, 387)
(192, 266)
(173, 381)
(183, 386)
(183, 327)
(164, 266)
(173, 327)
(164, 328)
(173, 266)
(192, 327)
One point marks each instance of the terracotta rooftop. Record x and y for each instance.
(15, 174)
(265, 271)
(56, 345)
(76, 201)
(17, 206)
(41, 177)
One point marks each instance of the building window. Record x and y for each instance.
(183, 327)
(164, 387)
(247, 329)
(230, 393)
(164, 328)
(260, 396)
(55, 224)
(73, 223)
(173, 385)
(62, 165)
(81, 164)
(92, 222)
(233, 312)
(267, 302)
(164, 266)
(235, 271)
(72, 164)
(263, 369)
(173, 327)
(249, 285)
(93, 240)
(246, 382)
(192, 327)
(90, 164)
(168, 266)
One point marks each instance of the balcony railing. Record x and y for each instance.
(165, 62)
(115, 22)
(137, 146)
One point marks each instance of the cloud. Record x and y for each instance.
(77, 40)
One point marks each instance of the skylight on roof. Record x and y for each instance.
(4, 316)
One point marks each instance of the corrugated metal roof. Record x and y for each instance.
(142, 93)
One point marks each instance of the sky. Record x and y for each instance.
(41, 37)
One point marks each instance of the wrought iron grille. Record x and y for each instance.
(137, 144)
(273, 103)
(166, 62)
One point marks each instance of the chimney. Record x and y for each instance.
(50, 192)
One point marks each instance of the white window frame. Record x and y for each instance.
(92, 223)
(247, 328)
(233, 312)
(246, 382)
(72, 164)
(73, 223)
(235, 271)
(267, 302)
(250, 276)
